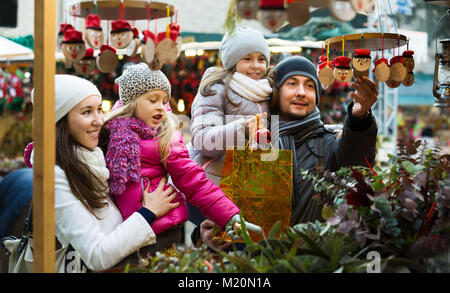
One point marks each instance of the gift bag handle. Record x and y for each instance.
(252, 137)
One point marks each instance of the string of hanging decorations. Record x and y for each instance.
(97, 48)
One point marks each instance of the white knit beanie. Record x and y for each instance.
(138, 79)
(241, 42)
(69, 91)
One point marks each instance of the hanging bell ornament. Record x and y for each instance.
(342, 70)
(121, 34)
(73, 46)
(381, 70)
(85, 65)
(94, 32)
(107, 59)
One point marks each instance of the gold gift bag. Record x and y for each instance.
(259, 182)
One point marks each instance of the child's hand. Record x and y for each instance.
(250, 124)
(206, 234)
(159, 201)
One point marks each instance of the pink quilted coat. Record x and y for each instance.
(187, 176)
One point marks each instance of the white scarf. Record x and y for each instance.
(95, 161)
(249, 88)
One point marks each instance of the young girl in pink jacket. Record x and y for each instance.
(145, 146)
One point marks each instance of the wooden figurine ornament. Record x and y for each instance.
(361, 62)
(85, 65)
(381, 70)
(325, 72)
(94, 32)
(408, 60)
(392, 83)
(409, 79)
(107, 59)
(73, 46)
(271, 14)
(398, 70)
(121, 34)
(62, 28)
(342, 70)
(246, 9)
(148, 46)
(298, 12)
(167, 48)
(134, 44)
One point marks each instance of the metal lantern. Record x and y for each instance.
(441, 82)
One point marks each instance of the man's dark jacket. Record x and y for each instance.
(315, 145)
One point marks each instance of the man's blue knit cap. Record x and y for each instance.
(297, 65)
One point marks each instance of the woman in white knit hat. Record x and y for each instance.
(86, 218)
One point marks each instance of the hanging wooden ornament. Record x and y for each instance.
(121, 34)
(298, 12)
(246, 9)
(271, 14)
(85, 65)
(360, 5)
(107, 59)
(73, 46)
(398, 70)
(148, 46)
(381, 70)
(342, 70)
(392, 83)
(166, 50)
(176, 27)
(341, 10)
(408, 60)
(134, 44)
(361, 62)
(325, 72)
(94, 32)
(62, 28)
(409, 79)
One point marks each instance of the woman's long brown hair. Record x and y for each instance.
(85, 185)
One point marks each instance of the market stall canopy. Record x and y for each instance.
(10, 50)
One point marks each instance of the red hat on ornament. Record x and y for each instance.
(63, 27)
(323, 58)
(148, 35)
(362, 53)
(379, 61)
(271, 4)
(105, 47)
(135, 33)
(396, 59)
(323, 65)
(73, 36)
(173, 34)
(120, 25)
(342, 62)
(93, 22)
(89, 54)
(408, 53)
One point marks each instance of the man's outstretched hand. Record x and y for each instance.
(364, 96)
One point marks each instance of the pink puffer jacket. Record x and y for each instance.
(187, 176)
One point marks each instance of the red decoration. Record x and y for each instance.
(93, 22)
(73, 36)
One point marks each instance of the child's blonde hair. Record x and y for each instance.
(165, 129)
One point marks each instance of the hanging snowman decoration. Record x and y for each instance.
(85, 65)
(325, 72)
(134, 44)
(361, 62)
(62, 28)
(148, 46)
(166, 50)
(398, 70)
(94, 32)
(408, 61)
(107, 59)
(381, 70)
(342, 70)
(73, 46)
(246, 9)
(271, 14)
(121, 34)
(298, 12)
